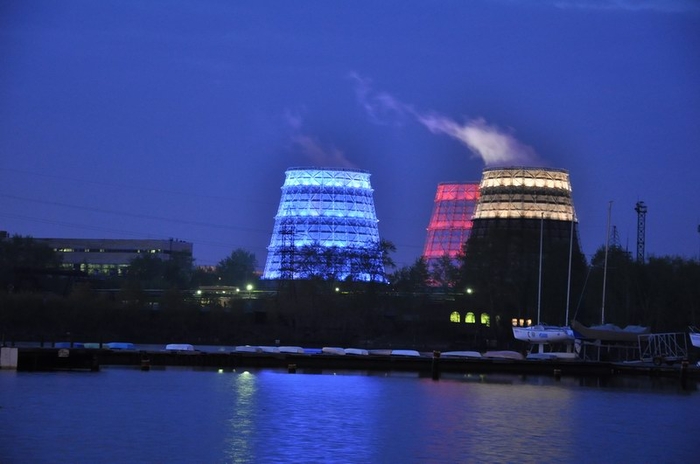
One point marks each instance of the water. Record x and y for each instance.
(184, 415)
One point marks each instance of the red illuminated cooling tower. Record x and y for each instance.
(451, 221)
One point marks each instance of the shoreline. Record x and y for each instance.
(55, 359)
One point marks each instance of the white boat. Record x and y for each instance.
(695, 337)
(269, 349)
(291, 349)
(410, 353)
(179, 347)
(120, 346)
(333, 350)
(247, 349)
(514, 355)
(461, 354)
(380, 352)
(356, 351)
(541, 333)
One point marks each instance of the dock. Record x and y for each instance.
(428, 364)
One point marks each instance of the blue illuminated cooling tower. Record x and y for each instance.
(326, 226)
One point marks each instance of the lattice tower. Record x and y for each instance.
(524, 220)
(324, 208)
(451, 220)
(641, 210)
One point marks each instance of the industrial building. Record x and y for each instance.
(524, 237)
(451, 221)
(325, 212)
(111, 257)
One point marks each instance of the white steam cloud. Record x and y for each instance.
(492, 144)
(312, 148)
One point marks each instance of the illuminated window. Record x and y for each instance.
(455, 317)
(486, 319)
(470, 318)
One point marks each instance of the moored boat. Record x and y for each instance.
(504, 354)
(120, 346)
(268, 349)
(543, 334)
(461, 354)
(694, 337)
(610, 332)
(356, 351)
(247, 349)
(333, 350)
(291, 349)
(179, 347)
(410, 353)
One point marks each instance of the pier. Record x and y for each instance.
(429, 364)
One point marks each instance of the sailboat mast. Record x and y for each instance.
(568, 283)
(539, 280)
(605, 264)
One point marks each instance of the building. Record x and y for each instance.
(326, 226)
(523, 240)
(111, 257)
(451, 221)
(513, 197)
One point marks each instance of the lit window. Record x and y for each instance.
(485, 319)
(470, 318)
(455, 317)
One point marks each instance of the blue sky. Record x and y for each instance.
(160, 119)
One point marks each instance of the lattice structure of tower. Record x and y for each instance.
(451, 220)
(524, 221)
(325, 210)
(525, 193)
(641, 210)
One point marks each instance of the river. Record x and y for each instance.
(185, 415)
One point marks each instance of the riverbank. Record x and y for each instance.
(428, 364)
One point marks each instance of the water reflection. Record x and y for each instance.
(190, 415)
(242, 421)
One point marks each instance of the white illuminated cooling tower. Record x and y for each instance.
(518, 198)
(326, 226)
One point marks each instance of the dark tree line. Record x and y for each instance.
(662, 293)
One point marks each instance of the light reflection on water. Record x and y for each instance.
(259, 416)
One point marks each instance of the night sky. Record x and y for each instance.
(178, 119)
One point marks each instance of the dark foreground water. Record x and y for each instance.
(182, 415)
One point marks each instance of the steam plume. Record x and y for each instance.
(312, 148)
(492, 144)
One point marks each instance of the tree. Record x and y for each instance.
(152, 272)
(20, 254)
(444, 272)
(386, 247)
(238, 269)
(411, 278)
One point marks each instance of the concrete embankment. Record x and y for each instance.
(47, 359)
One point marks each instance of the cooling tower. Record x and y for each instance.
(525, 193)
(326, 226)
(523, 234)
(519, 198)
(451, 221)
